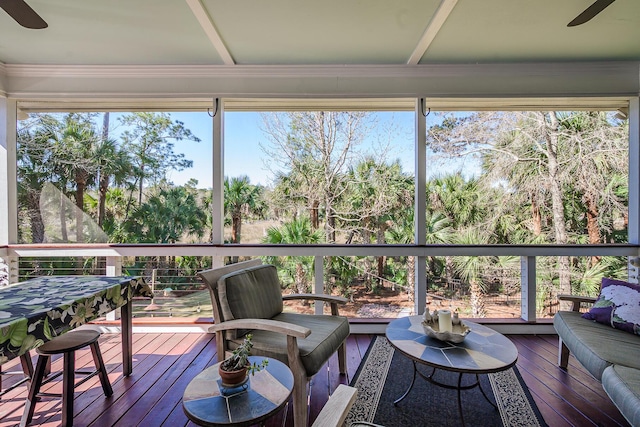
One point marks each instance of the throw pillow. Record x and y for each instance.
(618, 305)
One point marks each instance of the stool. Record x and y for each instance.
(66, 344)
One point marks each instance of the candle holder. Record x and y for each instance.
(431, 326)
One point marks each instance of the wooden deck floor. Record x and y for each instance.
(164, 363)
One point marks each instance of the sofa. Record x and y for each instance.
(611, 355)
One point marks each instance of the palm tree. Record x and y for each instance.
(113, 163)
(377, 194)
(438, 231)
(167, 217)
(460, 200)
(296, 231)
(239, 197)
(470, 269)
(74, 143)
(35, 168)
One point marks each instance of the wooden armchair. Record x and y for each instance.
(247, 298)
(337, 407)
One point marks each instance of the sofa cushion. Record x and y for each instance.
(618, 305)
(327, 333)
(595, 345)
(251, 293)
(622, 384)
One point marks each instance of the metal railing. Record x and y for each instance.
(181, 294)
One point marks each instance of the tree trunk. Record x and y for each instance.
(537, 218)
(411, 277)
(382, 226)
(477, 300)
(301, 282)
(140, 184)
(236, 225)
(80, 186)
(63, 219)
(103, 182)
(35, 217)
(557, 207)
(314, 214)
(593, 229)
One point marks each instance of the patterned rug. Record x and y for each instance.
(384, 375)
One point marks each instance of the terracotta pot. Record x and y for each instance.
(231, 378)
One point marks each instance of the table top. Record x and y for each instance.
(37, 310)
(267, 391)
(483, 350)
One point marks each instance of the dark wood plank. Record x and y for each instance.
(583, 393)
(173, 396)
(140, 385)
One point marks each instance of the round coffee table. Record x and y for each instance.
(483, 351)
(207, 403)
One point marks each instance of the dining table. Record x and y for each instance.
(37, 310)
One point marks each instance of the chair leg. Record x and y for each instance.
(68, 379)
(342, 358)
(563, 354)
(102, 371)
(300, 406)
(34, 389)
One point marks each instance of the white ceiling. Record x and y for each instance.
(302, 32)
(334, 48)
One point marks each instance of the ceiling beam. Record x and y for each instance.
(499, 80)
(206, 23)
(437, 21)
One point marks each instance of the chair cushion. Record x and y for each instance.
(618, 305)
(595, 345)
(622, 384)
(250, 293)
(327, 333)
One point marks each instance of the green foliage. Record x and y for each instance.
(240, 358)
(166, 217)
(340, 273)
(325, 191)
(297, 231)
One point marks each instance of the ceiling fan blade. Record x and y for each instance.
(23, 14)
(588, 14)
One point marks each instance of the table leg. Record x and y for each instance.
(483, 393)
(460, 398)
(413, 380)
(127, 340)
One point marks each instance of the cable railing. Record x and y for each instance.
(177, 292)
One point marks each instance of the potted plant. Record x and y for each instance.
(234, 369)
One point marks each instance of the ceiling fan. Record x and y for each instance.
(588, 14)
(23, 14)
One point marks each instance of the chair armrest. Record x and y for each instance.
(333, 300)
(577, 300)
(319, 297)
(264, 325)
(337, 407)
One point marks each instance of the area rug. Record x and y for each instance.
(384, 375)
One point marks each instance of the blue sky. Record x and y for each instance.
(243, 137)
(244, 156)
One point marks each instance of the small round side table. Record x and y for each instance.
(207, 403)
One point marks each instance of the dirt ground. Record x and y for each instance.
(388, 303)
